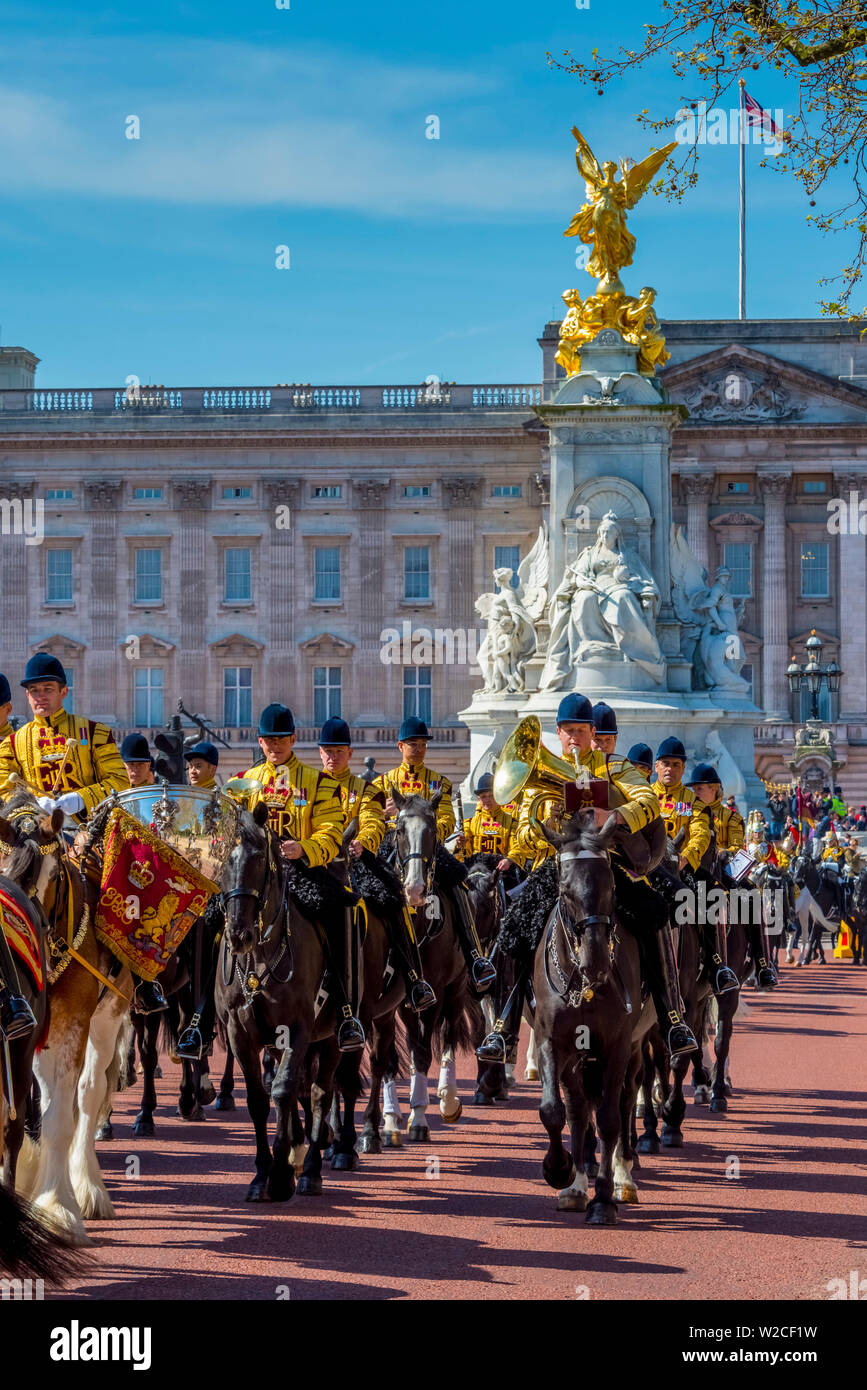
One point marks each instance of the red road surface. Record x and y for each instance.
(486, 1226)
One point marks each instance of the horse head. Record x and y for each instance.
(415, 843)
(249, 877)
(586, 902)
(30, 847)
(483, 886)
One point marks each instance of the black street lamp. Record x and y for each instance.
(812, 674)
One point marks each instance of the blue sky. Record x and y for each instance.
(306, 127)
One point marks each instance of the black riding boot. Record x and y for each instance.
(350, 1034)
(148, 997)
(721, 977)
(482, 972)
(662, 972)
(419, 994)
(766, 975)
(497, 1044)
(16, 1016)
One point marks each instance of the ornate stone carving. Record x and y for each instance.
(192, 494)
(710, 618)
(236, 644)
(543, 484)
(325, 644)
(512, 615)
(103, 494)
(774, 484)
(371, 491)
(66, 648)
(737, 519)
(696, 486)
(734, 395)
(461, 489)
(17, 489)
(282, 492)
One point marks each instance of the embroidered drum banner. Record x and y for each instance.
(150, 896)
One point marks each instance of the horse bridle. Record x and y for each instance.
(250, 980)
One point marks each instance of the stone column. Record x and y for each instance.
(853, 603)
(696, 489)
(774, 488)
(192, 497)
(20, 576)
(276, 596)
(459, 599)
(103, 688)
(371, 690)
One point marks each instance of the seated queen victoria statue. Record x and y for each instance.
(604, 610)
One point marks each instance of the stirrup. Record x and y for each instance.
(350, 1035)
(492, 1048)
(190, 1045)
(766, 977)
(681, 1039)
(726, 980)
(421, 996)
(149, 998)
(483, 973)
(16, 1018)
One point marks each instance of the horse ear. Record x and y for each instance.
(436, 799)
(554, 838)
(398, 799)
(260, 813)
(8, 833)
(56, 821)
(606, 834)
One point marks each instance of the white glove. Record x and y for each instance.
(70, 802)
(46, 803)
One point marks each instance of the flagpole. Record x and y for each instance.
(742, 212)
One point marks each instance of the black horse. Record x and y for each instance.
(488, 900)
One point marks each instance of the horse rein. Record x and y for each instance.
(250, 980)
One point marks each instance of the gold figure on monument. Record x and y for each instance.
(601, 223)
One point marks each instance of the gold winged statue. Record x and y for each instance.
(600, 222)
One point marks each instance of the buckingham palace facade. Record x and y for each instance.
(231, 546)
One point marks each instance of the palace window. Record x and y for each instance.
(59, 494)
(327, 690)
(507, 490)
(69, 698)
(507, 557)
(58, 576)
(815, 485)
(417, 693)
(237, 696)
(148, 696)
(326, 573)
(738, 557)
(331, 491)
(416, 572)
(237, 583)
(417, 490)
(148, 576)
(147, 494)
(814, 569)
(738, 487)
(235, 494)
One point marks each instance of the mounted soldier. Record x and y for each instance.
(305, 812)
(364, 807)
(642, 908)
(491, 830)
(202, 761)
(706, 787)
(604, 736)
(412, 778)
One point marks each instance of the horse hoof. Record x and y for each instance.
(672, 1138)
(718, 1105)
(455, 1115)
(531, 1074)
(392, 1139)
(345, 1163)
(281, 1185)
(728, 1087)
(158, 1071)
(626, 1192)
(419, 1134)
(701, 1095)
(561, 1177)
(309, 1187)
(328, 1153)
(197, 1113)
(572, 1201)
(257, 1191)
(207, 1094)
(481, 1098)
(647, 1144)
(601, 1214)
(224, 1103)
(370, 1144)
(104, 1133)
(143, 1129)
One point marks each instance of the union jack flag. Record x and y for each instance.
(756, 115)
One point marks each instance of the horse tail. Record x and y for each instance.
(459, 1024)
(115, 1075)
(29, 1247)
(169, 1024)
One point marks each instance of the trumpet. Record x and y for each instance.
(526, 765)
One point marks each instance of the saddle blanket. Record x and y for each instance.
(22, 938)
(150, 896)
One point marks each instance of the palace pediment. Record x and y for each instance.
(738, 385)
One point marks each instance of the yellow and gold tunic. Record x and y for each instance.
(729, 826)
(208, 785)
(640, 809)
(679, 807)
(418, 780)
(93, 768)
(484, 833)
(303, 805)
(367, 802)
(5, 730)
